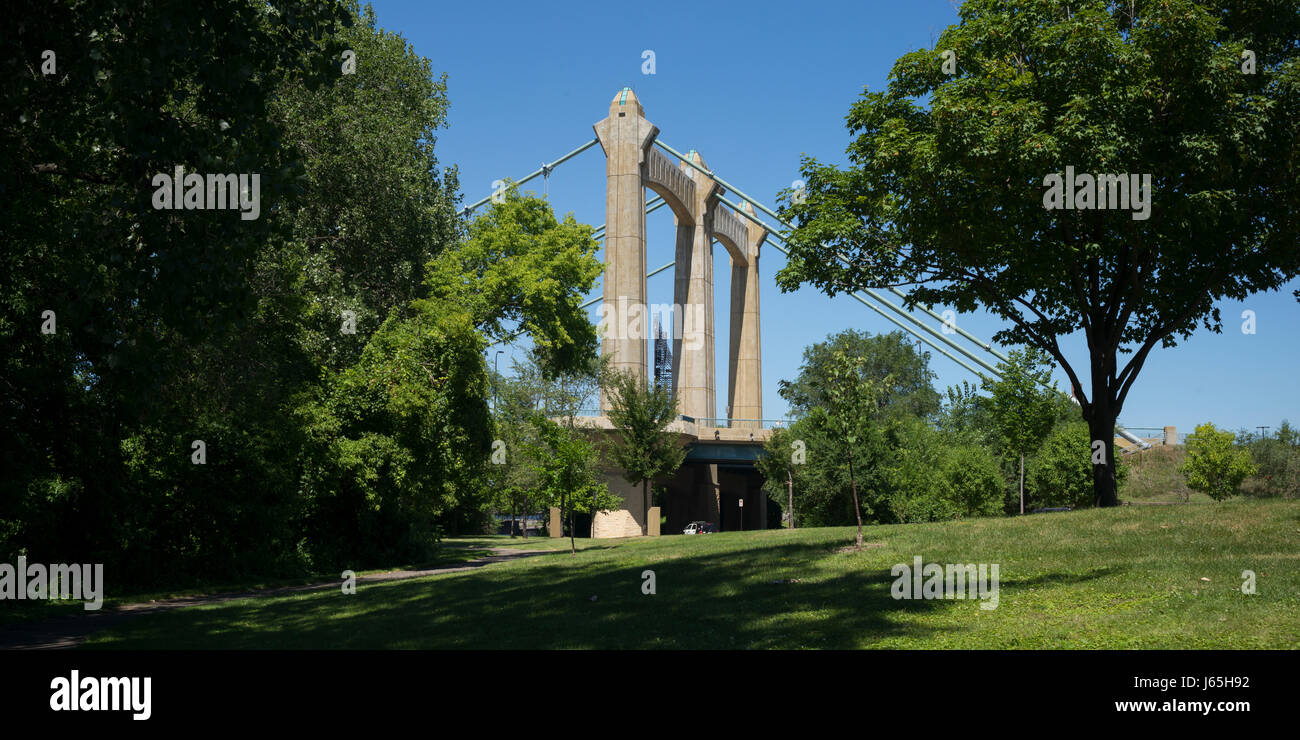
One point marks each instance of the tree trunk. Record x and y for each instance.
(525, 517)
(789, 484)
(856, 508)
(514, 517)
(573, 549)
(1101, 426)
(645, 506)
(1022, 483)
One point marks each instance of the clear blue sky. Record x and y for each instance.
(753, 86)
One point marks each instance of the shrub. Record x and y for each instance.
(1278, 465)
(973, 482)
(1215, 466)
(936, 476)
(1060, 474)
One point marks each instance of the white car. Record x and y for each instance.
(699, 528)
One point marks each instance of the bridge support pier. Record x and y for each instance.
(694, 350)
(745, 387)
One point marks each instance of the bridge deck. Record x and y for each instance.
(704, 430)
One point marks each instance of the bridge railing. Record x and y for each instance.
(712, 422)
(722, 423)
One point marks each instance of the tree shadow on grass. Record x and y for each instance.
(741, 598)
(1060, 579)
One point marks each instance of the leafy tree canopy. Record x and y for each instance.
(944, 191)
(909, 389)
(521, 266)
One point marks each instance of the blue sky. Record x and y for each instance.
(753, 86)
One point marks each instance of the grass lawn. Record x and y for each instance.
(1129, 577)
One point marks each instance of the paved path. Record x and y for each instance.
(71, 630)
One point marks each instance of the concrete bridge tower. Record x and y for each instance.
(632, 164)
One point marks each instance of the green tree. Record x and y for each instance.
(823, 495)
(328, 438)
(557, 394)
(568, 390)
(401, 440)
(512, 474)
(1214, 464)
(568, 472)
(522, 270)
(1278, 460)
(643, 448)
(851, 401)
(158, 311)
(971, 480)
(908, 392)
(931, 475)
(1024, 408)
(945, 189)
(374, 204)
(781, 459)
(965, 413)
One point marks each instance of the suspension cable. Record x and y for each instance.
(545, 169)
(986, 346)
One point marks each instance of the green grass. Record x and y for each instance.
(1129, 577)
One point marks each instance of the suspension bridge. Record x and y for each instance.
(718, 477)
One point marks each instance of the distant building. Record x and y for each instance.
(663, 356)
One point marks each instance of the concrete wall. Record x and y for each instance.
(618, 523)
